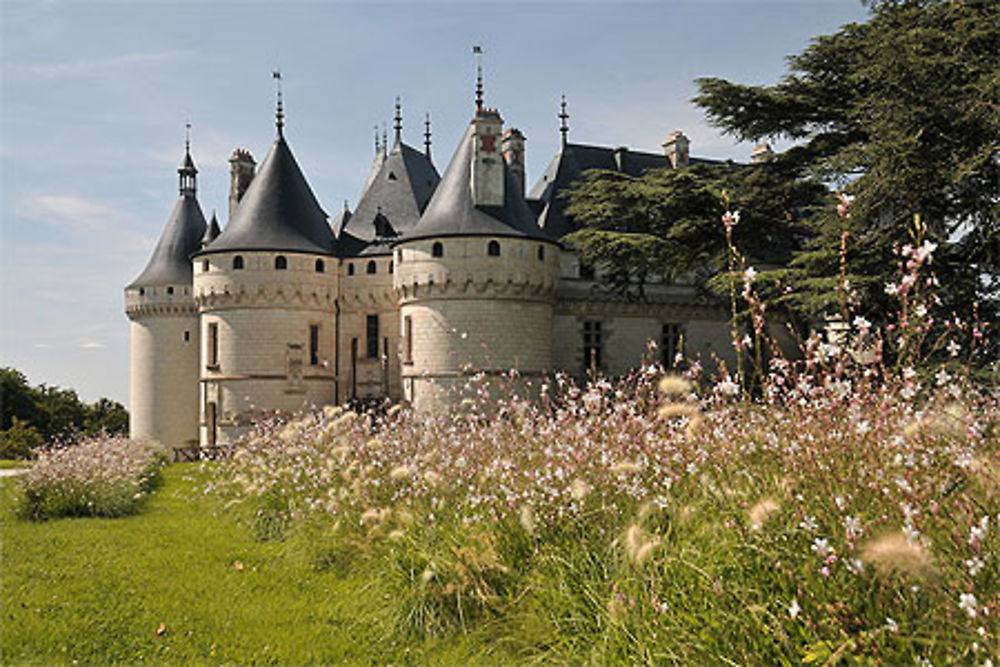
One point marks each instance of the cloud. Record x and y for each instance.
(92, 345)
(81, 67)
(65, 209)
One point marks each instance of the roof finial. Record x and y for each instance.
(385, 139)
(279, 116)
(378, 144)
(187, 137)
(397, 121)
(478, 52)
(563, 117)
(427, 136)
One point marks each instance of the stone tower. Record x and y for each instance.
(163, 381)
(476, 277)
(266, 291)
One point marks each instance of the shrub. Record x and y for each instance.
(20, 440)
(106, 476)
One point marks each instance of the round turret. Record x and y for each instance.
(476, 278)
(163, 379)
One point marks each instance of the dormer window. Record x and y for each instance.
(493, 249)
(238, 262)
(437, 250)
(371, 268)
(280, 263)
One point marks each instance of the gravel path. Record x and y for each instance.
(12, 472)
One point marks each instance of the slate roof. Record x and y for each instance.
(211, 232)
(170, 263)
(396, 194)
(451, 211)
(278, 211)
(568, 166)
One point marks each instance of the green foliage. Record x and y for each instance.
(667, 223)
(900, 111)
(18, 441)
(57, 415)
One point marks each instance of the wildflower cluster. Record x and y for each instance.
(106, 476)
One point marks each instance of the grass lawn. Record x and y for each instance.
(13, 464)
(98, 590)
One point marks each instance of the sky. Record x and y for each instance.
(94, 98)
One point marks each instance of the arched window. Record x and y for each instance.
(320, 266)
(280, 263)
(541, 253)
(493, 249)
(238, 262)
(170, 289)
(437, 250)
(371, 268)
(350, 269)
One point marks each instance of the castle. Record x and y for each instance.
(430, 279)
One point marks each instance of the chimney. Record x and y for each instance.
(677, 147)
(513, 154)
(241, 172)
(487, 161)
(620, 154)
(761, 152)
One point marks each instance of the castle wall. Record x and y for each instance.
(163, 374)
(365, 294)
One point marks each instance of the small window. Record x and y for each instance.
(212, 343)
(671, 343)
(204, 266)
(541, 253)
(320, 266)
(493, 249)
(170, 289)
(142, 291)
(371, 268)
(187, 336)
(399, 256)
(238, 262)
(314, 345)
(392, 176)
(371, 336)
(437, 250)
(280, 263)
(350, 269)
(408, 339)
(586, 271)
(592, 345)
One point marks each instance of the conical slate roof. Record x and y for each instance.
(563, 171)
(451, 211)
(278, 211)
(181, 237)
(211, 232)
(396, 194)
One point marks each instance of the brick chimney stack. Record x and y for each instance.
(677, 147)
(513, 154)
(241, 171)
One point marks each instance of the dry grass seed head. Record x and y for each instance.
(760, 512)
(677, 410)
(674, 386)
(895, 552)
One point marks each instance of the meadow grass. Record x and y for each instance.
(93, 590)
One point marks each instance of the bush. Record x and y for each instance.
(105, 476)
(20, 440)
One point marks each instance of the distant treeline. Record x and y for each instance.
(43, 416)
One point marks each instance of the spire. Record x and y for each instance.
(187, 171)
(563, 117)
(397, 121)
(385, 140)
(378, 145)
(279, 115)
(478, 52)
(427, 136)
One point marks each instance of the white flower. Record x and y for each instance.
(862, 323)
(942, 378)
(891, 625)
(821, 546)
(975, 565)
(891, 289)
(954, 348)
(749, 274)
(794, 608)
(853, 526)
(967, 602)
(808, 523)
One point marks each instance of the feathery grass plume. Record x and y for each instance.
(432, 478)
(579, 489)
(694, 426)
(674, 386)
(375, 515)
(986, 474)
(646, 550)
(625, 466)
(760, 512)
(894, 552)
(527, 518)
(405, 517)
(638, 545)
(677, 410)
(400, 472)
(947, 423)
(397, 534)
